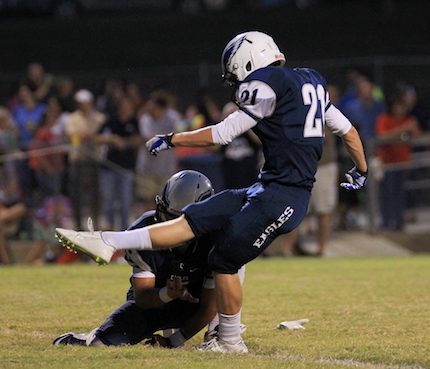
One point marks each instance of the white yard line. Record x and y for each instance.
(346, 362)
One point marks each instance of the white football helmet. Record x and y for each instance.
(246, 53)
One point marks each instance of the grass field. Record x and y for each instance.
(364, 313)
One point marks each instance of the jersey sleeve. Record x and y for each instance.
(336, 121)
(231, 127)
(256, 98)
(141, 269)
(139, 273)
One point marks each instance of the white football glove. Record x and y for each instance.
(159, 143)
(293, 325)
(355, 178)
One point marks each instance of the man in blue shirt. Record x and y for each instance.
(287, 109)
(28, 115)
(364, 109)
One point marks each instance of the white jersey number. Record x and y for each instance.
(311, 96)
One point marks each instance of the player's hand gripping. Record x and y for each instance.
(160, 143)
(177, 290)
(355, 178)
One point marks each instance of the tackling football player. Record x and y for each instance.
(287, 109)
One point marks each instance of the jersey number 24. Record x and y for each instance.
(314, 122)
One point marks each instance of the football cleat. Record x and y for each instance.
(71, 338)
(217, 345)
(213, 333)
(89, 243)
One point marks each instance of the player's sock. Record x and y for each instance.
(213, 324)
(229, 328)
(137, 239)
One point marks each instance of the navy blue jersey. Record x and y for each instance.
(289, 105)
(190, 263)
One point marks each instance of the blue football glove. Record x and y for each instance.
(160, 143)
(355, 178)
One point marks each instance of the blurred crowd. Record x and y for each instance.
(67, 154)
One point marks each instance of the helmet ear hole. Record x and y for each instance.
(248, 66)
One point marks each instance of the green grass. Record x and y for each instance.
(365, 313)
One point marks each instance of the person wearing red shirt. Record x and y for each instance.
(394, 129)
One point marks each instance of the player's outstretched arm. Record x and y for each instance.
(199, 138)
(356, 176)
(222, 133)
(341, 126)
(354, 146)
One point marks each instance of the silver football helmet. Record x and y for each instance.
(182, 189)
(248, 52)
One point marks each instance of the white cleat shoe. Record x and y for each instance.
(89, 243)
(214, 332)
(217, 345)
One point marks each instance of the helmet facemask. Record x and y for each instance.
(163, 212)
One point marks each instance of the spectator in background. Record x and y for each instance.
(192, 120)
(133, 93)
(409, 96)
(364, 109)
(12, 206)
(158, 118)
(8, 132)
(353, 76)
(207, 160)
(64, 92)
(27, 115)
(240, 156)
(38, 81)
(81, 128)
(208, 108)
(113, 93)
(121, 135)
(325, 191)
(10, 216)
(48, 167)
(396, 127)
(54, 211)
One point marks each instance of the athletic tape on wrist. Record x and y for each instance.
(162, 293)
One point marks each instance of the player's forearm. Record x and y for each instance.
(353, 144)
(149, 299)
(200, 138)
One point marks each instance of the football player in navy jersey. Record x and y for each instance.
(185, 302)
(287, 109)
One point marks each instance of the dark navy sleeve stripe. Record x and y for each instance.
(249, 113)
